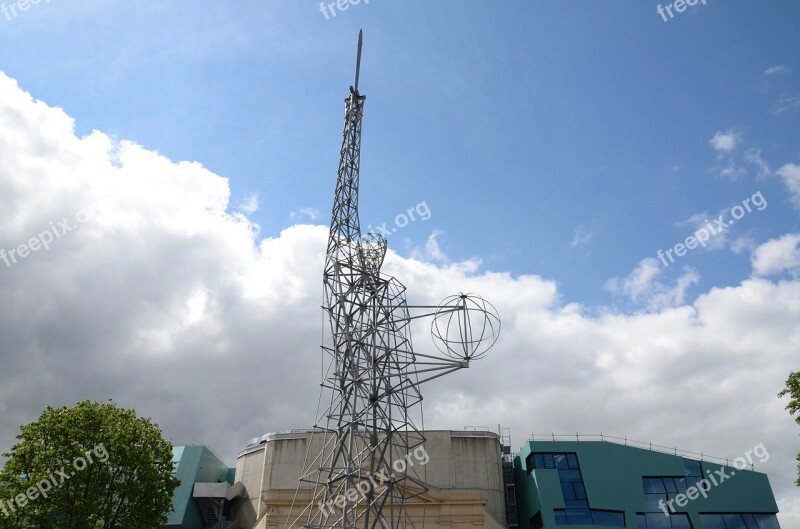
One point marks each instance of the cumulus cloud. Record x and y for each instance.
(725, 142)
(304, 214)
(790, 174)
(778, 69)
(725, 145)
(642, 286)
(778, 256)
(167, 301)
(249, 204)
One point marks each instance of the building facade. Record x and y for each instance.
(582, 484)
(462, 469)
(204, 497)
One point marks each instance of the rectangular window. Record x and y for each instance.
(750, 521)
(608, 518)
(657, 520)
(579, 517)
(568, 492)
(641, 521)
(712, 521)
(572, 461)
(570, 476)
(653, 502)
(561, 516)
(580, 491)
(734, 521)
(653, 485)
(680, 521)
(767, 521)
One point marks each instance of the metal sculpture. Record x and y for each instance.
(373, 377)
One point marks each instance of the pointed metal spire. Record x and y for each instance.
(358, 60)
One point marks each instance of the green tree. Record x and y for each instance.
(92, 466)
(793, 390)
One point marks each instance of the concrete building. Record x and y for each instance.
(462, 469)
(585, 484)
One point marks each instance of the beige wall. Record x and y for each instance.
(463, 472)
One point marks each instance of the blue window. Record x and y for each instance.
(580, 491)
(660, 521)
(692, 467)
(750, 521)
(579, 517)
(657, 520)
(767, 521)
(576, 502)
(653, 502)
(608, 518)
(734, 521)
(652, 485)
(567, 491)
(740, 521)
(570, 476)
(680, 521)
(572, 460)
(694, 472)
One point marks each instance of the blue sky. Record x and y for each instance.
(557, 147)
(524, 127)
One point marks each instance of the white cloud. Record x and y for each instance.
(304, 214)
(786, 103)
(778, 256)
(249, 204)
(431, 251)
(166, 302)
(743, 244)
(717, 240)
(778, 69)
(790, 174)
(725, 142)
(642, 287)
(753, 156)
(581, 236)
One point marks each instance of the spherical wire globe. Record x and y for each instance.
(465, 326)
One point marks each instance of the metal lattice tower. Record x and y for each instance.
(373, 376)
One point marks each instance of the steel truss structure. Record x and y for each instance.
(363, 476)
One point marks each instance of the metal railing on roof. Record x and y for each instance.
(672, 450)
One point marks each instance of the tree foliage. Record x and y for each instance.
(793, 390)
(92, 466)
